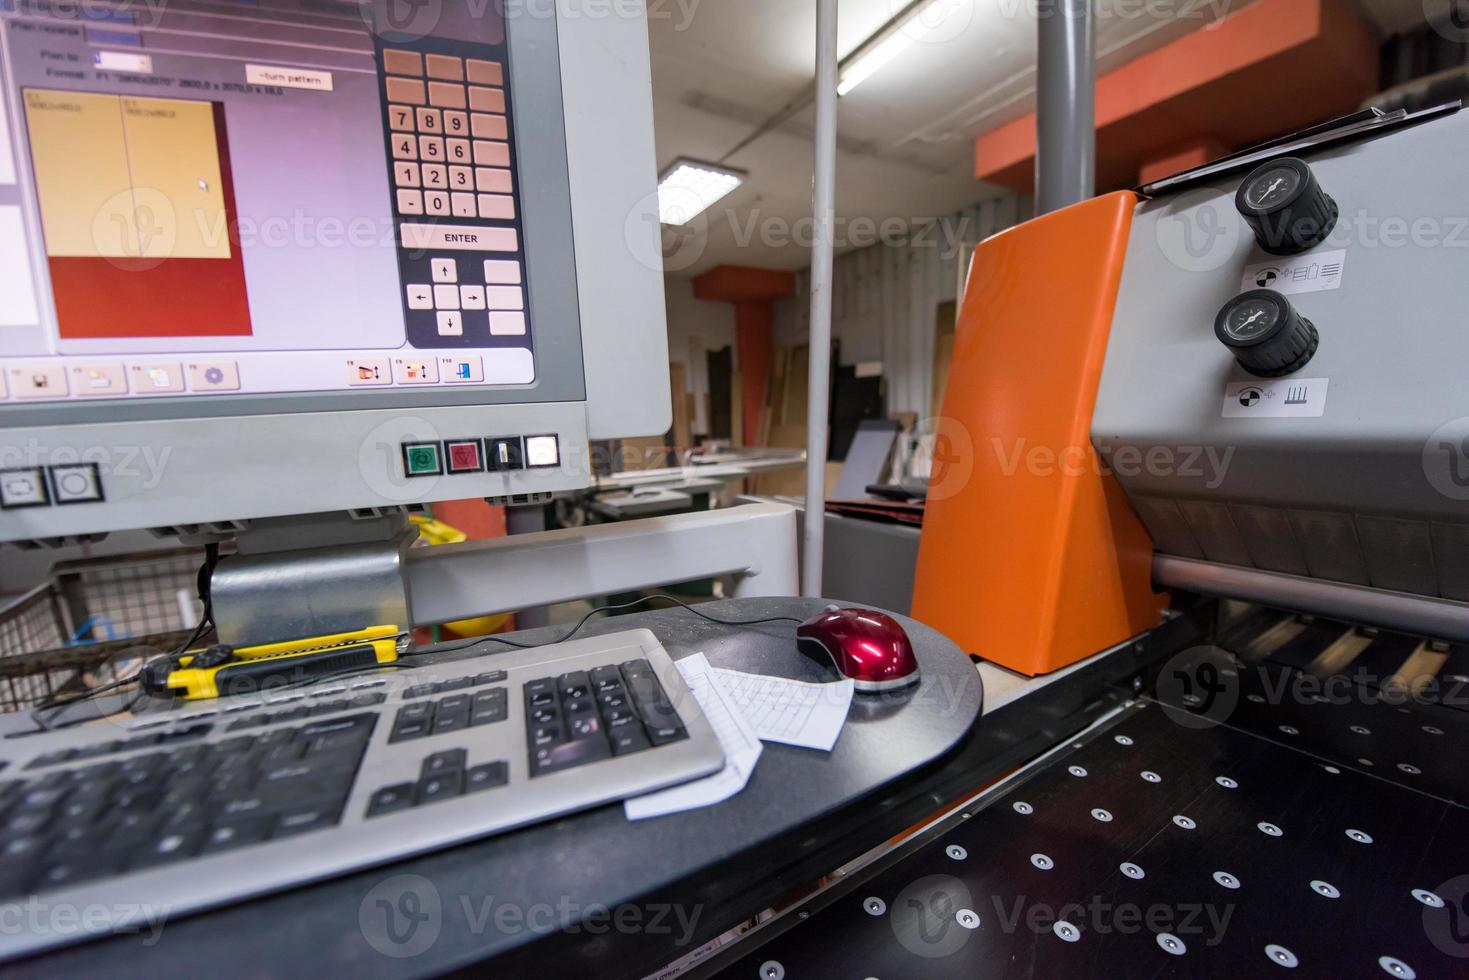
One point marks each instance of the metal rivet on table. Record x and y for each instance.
(874, 905)
(1226, 782)
(1171, 944)
(804, 914)
(1360, 836)
(1186, 823)
(1131, 870)
(1397, 967)
(1409, 768)
(956, 852)
(1076, 770)
(1325, 889)
(1281, 956)
(1269, 829)
(1042, 861)
(1023, 808)
(1333, 770)
(1428, 898)
(1226, 879)
(967, 918)
(1360, 730)
(1121, 739)
(1151, 776)
(1289, 730)
(1255, 698)
(771, 970)
(1192, 700)
(1365, 762)
(1433, 730)
(1067, 931)
(1102, 815)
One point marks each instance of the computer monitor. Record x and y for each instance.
(287, 257)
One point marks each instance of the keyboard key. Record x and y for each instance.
(441, 787)
(175, 845)
(568, 755)
(452, 721)
(492, 677)
(417, 711)
(629, 740)
(304, 817)
(488, 776)
(456, 683)
(666, 734)
(443, 762)
(405, 729)
(585, 728)
(236, 833)
(391, 799)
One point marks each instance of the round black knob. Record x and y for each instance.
(1285, 206)
(1266, 334)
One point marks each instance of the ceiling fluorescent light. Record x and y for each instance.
(895, 37)
(689, 188)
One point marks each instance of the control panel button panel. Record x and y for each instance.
(455, 189)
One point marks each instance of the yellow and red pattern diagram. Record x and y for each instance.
(138, 212)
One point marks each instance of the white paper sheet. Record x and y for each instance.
(741, 750)
(793, 712)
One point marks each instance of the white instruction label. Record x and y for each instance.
(1284, 398)
(1312, 273)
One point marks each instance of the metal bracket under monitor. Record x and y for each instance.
(275, 594)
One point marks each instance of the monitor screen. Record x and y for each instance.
(221, 199)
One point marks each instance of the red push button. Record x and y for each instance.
(465, 456)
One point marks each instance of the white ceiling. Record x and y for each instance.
(905, 136)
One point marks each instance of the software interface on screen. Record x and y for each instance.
(223, 198)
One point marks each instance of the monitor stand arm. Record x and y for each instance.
(320, 575)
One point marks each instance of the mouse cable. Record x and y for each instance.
(469, 644)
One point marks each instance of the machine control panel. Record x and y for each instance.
(1285, 206)
(1265, 333)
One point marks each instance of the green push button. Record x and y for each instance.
(422, 459)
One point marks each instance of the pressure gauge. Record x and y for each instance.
(1266, 334)
(1284, 205)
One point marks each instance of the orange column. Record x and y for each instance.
(753, 293)
(755, 346)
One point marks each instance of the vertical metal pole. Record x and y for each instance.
(824, 210)
(1066, 125)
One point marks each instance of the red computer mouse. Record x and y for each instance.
(869, 647)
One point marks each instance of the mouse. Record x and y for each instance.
(867, 646)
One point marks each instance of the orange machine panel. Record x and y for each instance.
(1031, 555)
